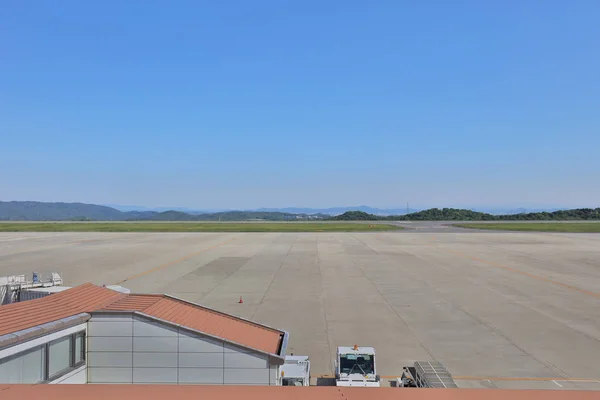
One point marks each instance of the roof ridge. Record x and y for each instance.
(125, 296)
(67, 302)
(106, 303)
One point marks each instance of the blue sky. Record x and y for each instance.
(243, 104)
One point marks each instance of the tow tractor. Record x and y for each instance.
(355, 366)
(295, 371)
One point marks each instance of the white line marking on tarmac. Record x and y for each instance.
(557, 384)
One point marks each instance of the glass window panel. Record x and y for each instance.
(59, 356)
(26, 367)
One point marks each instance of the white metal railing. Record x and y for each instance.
(11, 286)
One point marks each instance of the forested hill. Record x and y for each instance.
(40, 211)
(455, 214)
(227, 216)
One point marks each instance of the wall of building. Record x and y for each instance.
(131, 349)
(28, 360)
(9, 351)
(77, 376)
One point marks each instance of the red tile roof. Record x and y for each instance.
(28, 314)
(202, 319)
(90, 298)
(133, 302)
(217, 324)
(182, 392)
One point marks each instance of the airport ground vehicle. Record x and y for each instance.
(295, 371)
(355, 366)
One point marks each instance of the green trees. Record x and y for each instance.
(456, 214)
(356, 216)
(577, 214)
(445, 214)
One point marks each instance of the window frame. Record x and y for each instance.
(74, 362)
(72, 365)
(31, 350)
(64, 370)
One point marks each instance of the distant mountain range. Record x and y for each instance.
(127, 208)
(41, 211)
(287, 210)
(332, 210)
(340, 210)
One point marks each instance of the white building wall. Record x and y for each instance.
(110, 349)
(132, 349)
(77, 376)
(9, 351)
(273, 375)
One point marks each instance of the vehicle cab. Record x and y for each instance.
(355, 366)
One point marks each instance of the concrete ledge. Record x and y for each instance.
(15, 338)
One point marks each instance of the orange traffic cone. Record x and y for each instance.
(241, 301)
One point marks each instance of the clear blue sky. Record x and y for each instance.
(242, 104)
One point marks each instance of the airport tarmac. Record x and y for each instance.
(499, 309)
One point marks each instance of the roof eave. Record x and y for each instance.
(25, 335)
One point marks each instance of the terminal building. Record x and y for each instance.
(92, 334)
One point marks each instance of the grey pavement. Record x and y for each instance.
(499, 309)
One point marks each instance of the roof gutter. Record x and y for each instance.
(11, 339)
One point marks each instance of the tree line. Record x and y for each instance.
(456, 214)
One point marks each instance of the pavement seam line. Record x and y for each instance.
(171, 263)
(322, 303)
(518, 271)
(391, 307)
(483, 322)
(528, 307)
(216, 285)
(262, 299)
